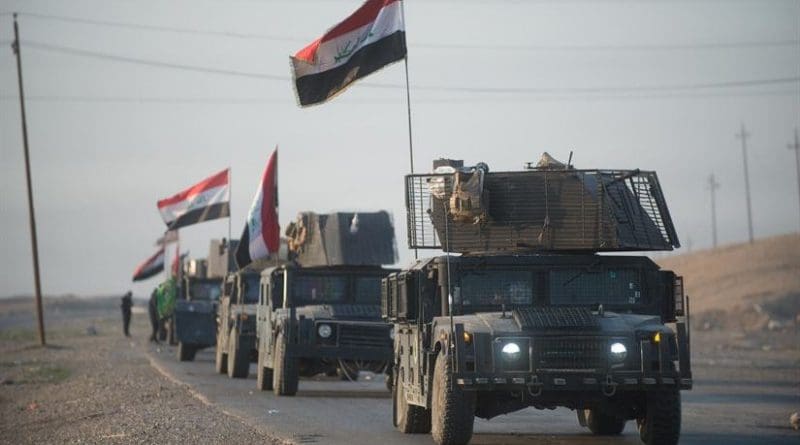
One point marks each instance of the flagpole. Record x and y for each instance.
(408, 108)
(230, 210)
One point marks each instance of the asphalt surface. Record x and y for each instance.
(719, 411)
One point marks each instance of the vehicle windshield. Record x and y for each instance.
(587, 287)
(368, 290)
(204, 290)
(319, 289)
(251, 284)
(491, 289)
(494, 288)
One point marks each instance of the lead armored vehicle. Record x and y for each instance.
(195, 309)
(321, 313)
(529, 314)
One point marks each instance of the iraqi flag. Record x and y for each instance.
(261, 235)
(208, 199)
(150, 267)
(371, 38)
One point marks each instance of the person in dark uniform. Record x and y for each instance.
(127, 303)
(153, 312)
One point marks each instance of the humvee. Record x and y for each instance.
(236, 323)
(538, 318)
(314, 320)
(194, 315)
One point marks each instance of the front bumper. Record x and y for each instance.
(339, 352)
(536, 383)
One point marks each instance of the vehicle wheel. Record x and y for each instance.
(284, 374)
(452, 409)
(603, 424)
(238, 359)
(389, 379)
(661, 424)
(407, 418)
(171, 332)
(186, 352)
(264, 374)
(221, 362)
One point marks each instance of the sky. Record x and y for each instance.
(660, 85)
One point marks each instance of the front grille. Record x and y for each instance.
(570, 353)
(555, 318)
(364, 336)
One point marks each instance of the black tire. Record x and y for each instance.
(389, 379)
(238, 357)
(602, 424)
(263, 374)
(221, 361)
(452, 409)
(171, 338)
(408, 419)
(661, 424)
(284, 374)
(186, 352)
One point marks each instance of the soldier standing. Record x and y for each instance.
(152, 311)
(127, 303)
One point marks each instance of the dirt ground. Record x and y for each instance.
(99, 388)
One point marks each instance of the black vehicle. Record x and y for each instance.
(314, 320)
(195, 327)
(538, 318)
(236, 323)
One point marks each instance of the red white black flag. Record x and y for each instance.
(261, 236)
(150, 267)
(208, 199)
(371, 38)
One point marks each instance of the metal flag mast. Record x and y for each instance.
(230, 210)
(408, 107)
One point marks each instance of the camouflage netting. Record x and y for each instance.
(342, 239)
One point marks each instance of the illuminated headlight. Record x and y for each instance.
(391, 332)
(324, 331)
(511, 351)
(618, 352)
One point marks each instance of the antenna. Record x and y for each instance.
(569, 162)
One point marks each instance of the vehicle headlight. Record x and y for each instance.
(391, 332)
(618, 352)
(511, 351)
(324, 330)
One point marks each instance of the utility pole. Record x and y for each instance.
(796, 148)
(31, 215)
(713, 185)
(743, 135)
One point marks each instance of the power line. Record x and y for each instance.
(451, 89)
(457, 46)
(180, 100)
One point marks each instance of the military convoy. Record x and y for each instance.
(321, 313)
(529, 314)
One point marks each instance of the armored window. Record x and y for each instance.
(575, 286)
(250, 289)
(205, 290)
(368, 290)
(495, 288)
(319, 289)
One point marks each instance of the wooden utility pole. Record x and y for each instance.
(713, 185)
(31, 215)
(796, 148)
(743, 135)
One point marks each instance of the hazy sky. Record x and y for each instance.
(108, 138)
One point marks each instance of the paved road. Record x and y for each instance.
(327, 411)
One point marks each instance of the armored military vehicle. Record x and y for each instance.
(321, 313)
(199, 289)
(236, 323)
(529, 313)
(195, 326)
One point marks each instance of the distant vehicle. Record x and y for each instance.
(529, 314)
(236, 323)
(195, 327)
(320, 320)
